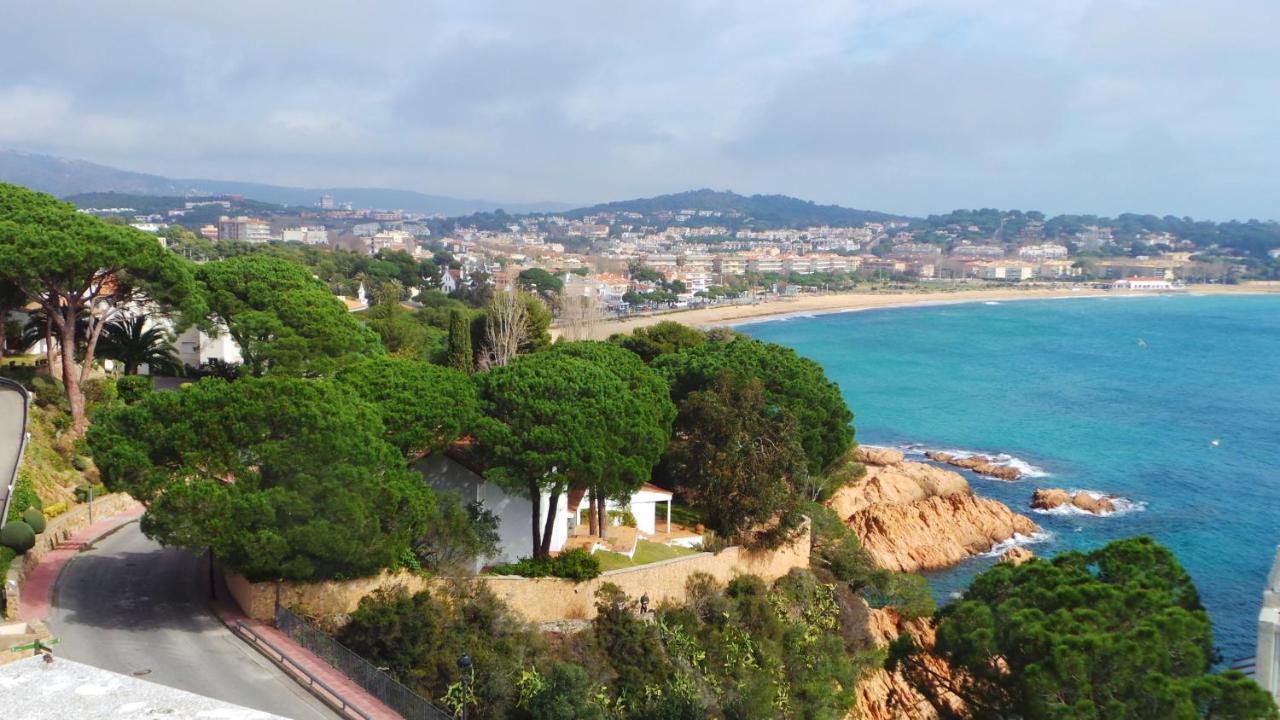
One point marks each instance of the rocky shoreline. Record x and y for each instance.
(912, 516)
(980, 464)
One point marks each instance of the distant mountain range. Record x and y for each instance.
(64, 176)
(766, 210)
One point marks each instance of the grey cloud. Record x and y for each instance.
(906, 105)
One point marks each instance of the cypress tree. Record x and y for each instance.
(460, 355)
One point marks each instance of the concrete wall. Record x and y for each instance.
(56, 532)
(536, 599)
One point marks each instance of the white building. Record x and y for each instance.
(195, 348)
(1135, 283)
(514, 512)
(307, 235)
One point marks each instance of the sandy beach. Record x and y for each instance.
(852, 301)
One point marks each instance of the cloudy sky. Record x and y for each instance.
(902, 105)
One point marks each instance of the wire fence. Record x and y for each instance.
(379, 683)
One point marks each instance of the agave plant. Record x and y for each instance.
(130, 341)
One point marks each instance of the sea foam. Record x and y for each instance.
(1027, 469)
(1123, 506)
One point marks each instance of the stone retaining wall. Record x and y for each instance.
(536, 599)
(55, 533)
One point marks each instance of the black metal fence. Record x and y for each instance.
(379, 683)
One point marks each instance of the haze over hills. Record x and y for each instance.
(67, 176)
(768, 209)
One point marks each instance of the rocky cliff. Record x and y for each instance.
(912, 516)
(888, 696)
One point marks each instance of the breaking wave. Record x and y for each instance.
(1018, 540)
(1027, 469)
(1123, 506)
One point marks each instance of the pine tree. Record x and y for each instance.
(460, 354)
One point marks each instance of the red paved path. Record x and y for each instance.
(36, 591)
(354, 695)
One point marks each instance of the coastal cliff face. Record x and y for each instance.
(911, 516)
(888, 696)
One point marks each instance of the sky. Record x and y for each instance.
(911, 106)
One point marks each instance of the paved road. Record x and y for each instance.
(136, 608)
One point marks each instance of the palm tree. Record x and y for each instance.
(129, 340)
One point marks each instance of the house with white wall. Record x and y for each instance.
(448, 473)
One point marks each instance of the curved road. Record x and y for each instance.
(133, 607)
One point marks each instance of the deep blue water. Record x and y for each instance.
(1123, 395)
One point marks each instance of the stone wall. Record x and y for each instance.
(55, 533)
(536, 599)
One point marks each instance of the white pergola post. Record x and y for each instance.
(669, 501)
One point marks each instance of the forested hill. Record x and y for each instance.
(764, 210)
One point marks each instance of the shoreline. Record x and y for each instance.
(734, 315)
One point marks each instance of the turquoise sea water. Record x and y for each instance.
(1122, 395)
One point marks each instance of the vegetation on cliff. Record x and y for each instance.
(1115, 633)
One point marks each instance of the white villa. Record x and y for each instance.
(514, 512)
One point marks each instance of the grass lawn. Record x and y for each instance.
(646, 552)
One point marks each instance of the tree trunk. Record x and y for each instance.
(535, 495)
(552, 501)
(604, 517)
(592, 520)
(49, 355)
(70, 376)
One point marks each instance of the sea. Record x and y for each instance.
(1170, 402)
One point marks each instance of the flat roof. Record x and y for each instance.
(35, 690)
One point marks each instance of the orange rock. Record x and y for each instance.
(1016, 555)
(920, 517)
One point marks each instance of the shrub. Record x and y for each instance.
(6, 556)
(80, 462)
(18, 536)
(56, 509)
(99, 391)
(82, 492)
(35, 519)
(576, 565)
(24, 496)
(50, 393)
(622, 517)
(567, 694)
(133, 388)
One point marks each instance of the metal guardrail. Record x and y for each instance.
(311, 678)
(378, 683)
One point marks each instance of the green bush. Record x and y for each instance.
(133, 388)
(17, 536)
(80, 462)
(82, 492)
(24, 496)
(6, 556)
(576, 565)
(35, 519)
(99, 391)
(50, 392)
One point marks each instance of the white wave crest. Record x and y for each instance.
(1123, 506)
(991, 302)
(1026, 469)
(1018, 540)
